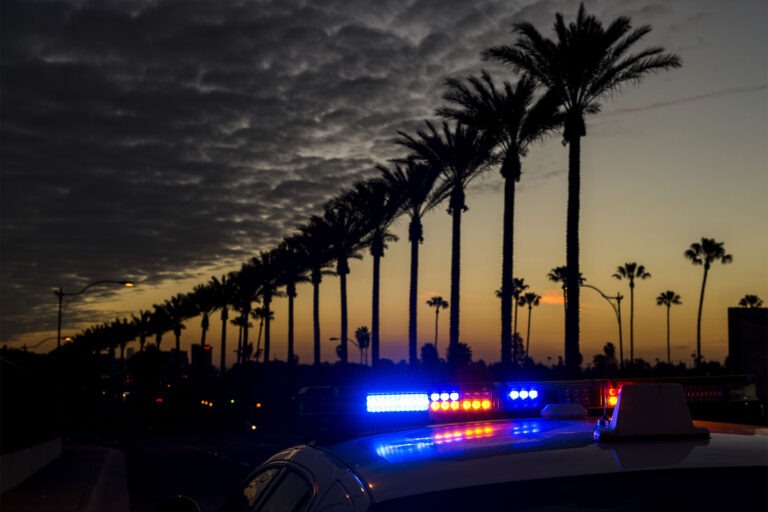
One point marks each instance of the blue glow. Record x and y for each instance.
(523, 394)
(444, 396)
(435, 397)
(454, 396)
(533, 394)
(399, 402)
(514, 395)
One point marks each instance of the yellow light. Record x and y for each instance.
(444, 405)
(487, 430)
(466, 404)
(253, 427)
(486, 404)
(454, 405)
(434, 406)
(476, 404)
(478, 430)
(468, 432)
(129, 284)
(258, 405)
(612, 401)
(210, 404)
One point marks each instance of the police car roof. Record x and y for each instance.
(441, 457)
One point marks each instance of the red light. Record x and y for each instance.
(206, 347)
(158, 400)
(613, 391)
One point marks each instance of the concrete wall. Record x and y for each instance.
(18, 466)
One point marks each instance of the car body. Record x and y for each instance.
(544, 463)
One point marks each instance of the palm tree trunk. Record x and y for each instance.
(375, 306)
(290, 327)
(224, 318)
(267, 304)
(698, 320)
(510, 176)
(668, 358)
(437, 315)
(528, 336)
(258, 339)
(316, 318)
(414, 235)
(344, 313)
(572, 354)
(514, 333)
(246, 314)
(621, 337)
(457, 205)
(631, 322)
(204, 330)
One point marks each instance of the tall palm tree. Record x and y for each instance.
(379, 205)
(204, 301)
(750, 301)
(461, 153)
(262, 314)
(223, 293)
(345, 229)
(268, 264)
(530, 299)
(293, 265)
(142, 324)
(179, 308)
(514, 121)
(668, 298)
(363, 338)
(705, 253)
(518, 287)
(438, 303)
(585, 62)
(415, 183)
(159, 323)
(631, 271)
(313, 240)
(247, 283)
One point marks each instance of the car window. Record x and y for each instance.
(335, 500)
(245, 498)
(291, 493)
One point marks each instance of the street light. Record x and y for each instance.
(60, 294)
(352, 342)
(616, 310)
(66, 338)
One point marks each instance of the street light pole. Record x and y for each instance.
(60, 294)
(617, 311)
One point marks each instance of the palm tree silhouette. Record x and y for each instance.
(750, 301)
(247, 285)
(513, 121)
(178, 308)
(345, 229)
(461, 154)
(414, 183)
(313, 240)
(262, 314)
(668, 298)
(222, 291)
(142, 324)
(292, 268)
(363, 338)
(380, 204)
(584, 62)
(267, 265)
(159, 323)
(530, 299)
(438, 303)
(705, 253)
(204, 302)
(558, 275)
(631, 271)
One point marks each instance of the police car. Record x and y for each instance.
(644, 453)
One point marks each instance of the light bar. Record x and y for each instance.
(398, 402)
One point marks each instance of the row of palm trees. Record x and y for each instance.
(485, 125)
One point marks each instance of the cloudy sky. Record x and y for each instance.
(166, 141)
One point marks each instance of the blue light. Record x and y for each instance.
(454, 396)
(400, 402)
(533, 394)
(444, 396)
(523, 394)
(435, 397)
(514, 395)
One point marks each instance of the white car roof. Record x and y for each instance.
(441, 457)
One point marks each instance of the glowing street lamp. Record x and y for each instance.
(60, 294)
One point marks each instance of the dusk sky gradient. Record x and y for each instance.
(168, 141)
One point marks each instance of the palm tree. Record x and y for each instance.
(512, 119)
(379, 204)
(223, 292)
(461, 154)
(518, 287)
(261, 314)
(159, 323)
(705, 253)
(631, 271)
(179, 308)
(363, 338)
(585, 62)
(313, 241)
(292, 269)
(530, 299)
(142, 324)
(345, 230)
(267, 264)
(438, 303)
(414, 183)
(247, 284)
(750, 301)
(668, 298)
(204, 301)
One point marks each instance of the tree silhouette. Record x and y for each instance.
(438, 303)
(262, 314)
(222, 291)
(461, 154)
(583, 63)
(292, 265)
(268, 267)
(518, 287)
(559, 275)
(668, 298)
(159, 323)
(380, 205)
(414, 183)
(363, 337)
(750, 301)
(630, 272)
(513, 121)
(247, 284)
(705, 253)
(142, 324)
(178, 309)
(530, 299)
(204, 301)
(429, 355)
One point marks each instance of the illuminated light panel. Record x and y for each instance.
(434, 397)
(434, 406)
(402, 402)
(454, 405)
(486, 404)
(514, 395)
(444, 396)
(476, 404)
(466, 405)
(533, 394)
(523, 394)
(444, 405)
(454, 396)
(612, 401)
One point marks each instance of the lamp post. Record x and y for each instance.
(616, 309)
(66, 338)
(60, 294)
(352, 342)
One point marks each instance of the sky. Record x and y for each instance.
(168, 141)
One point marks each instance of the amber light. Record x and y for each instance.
(434, 406)
(486, 404)
(612, 401)
(454, 405)
(476, 404)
